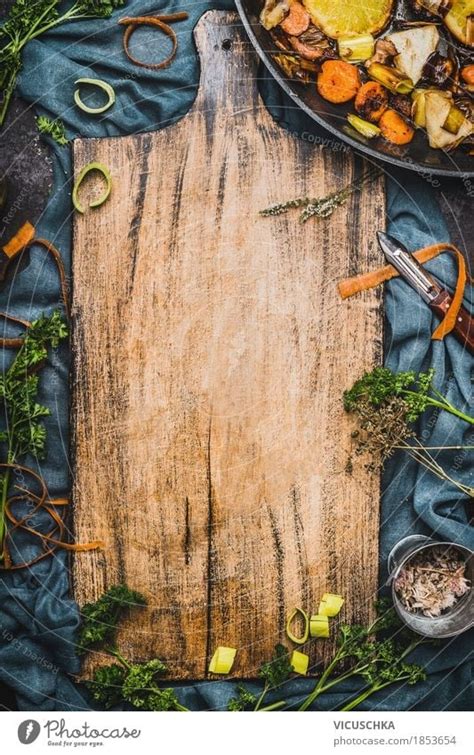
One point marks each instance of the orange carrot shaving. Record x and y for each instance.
(20, 240)
(159, 22)
(51, 540)
(56, 255)
(13, 343)
(351, 286)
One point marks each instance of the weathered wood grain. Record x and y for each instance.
(210, 354)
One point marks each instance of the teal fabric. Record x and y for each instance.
(38, 619)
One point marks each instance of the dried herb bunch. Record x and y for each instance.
(382, 430)
(386, 405)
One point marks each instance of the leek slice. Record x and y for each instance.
(418, 109)
(455, 119)
(222, 660)
(330, 604)
(319, 626)
(298, 640)
(299, 662)
(107, 88)
(365, 128)
(84, 172)
(356, 49)
(395, 81)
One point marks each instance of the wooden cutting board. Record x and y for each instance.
(210, 354)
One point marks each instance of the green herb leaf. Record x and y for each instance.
(245, 700)
(106, 686)
(55, 129)
(278, 669)
(29, 19)
(101, 619)
(134, 684)
(98, 8)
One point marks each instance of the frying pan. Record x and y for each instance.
(417, 155)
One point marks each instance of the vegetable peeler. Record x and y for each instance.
(437, 297)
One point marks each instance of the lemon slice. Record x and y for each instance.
(456, 19)
(349, 18)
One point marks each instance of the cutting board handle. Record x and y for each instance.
(229, 64)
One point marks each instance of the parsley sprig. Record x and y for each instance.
(376, 655)
(378, 663)
(24, 432)
(100, 620)
(416, 390)
(53, 128)
(274, 673)
(135, 684)
(27, 20)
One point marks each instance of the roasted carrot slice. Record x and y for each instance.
(371, 101)
(297, 20)
(467, 74)
(338, 81)
(395, 129)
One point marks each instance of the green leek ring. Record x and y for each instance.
(107, 88)
(84, 172)
(304, 637)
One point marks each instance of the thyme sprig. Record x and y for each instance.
(322, 207)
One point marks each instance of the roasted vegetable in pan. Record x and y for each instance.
(356, 49)
(439, 70)
(340, 18)
(297, 20)
(467, 76)
(395, 128)
(432, 7)
(338, 81)
(312, 44)
(460, 21)
(414, 46)
(411, 77)
(392, 79)
(440, 121)
(371, 101)
(273, 13)
(369, 130)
